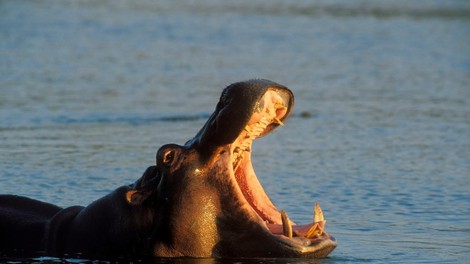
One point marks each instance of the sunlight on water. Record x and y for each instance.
(380, 134)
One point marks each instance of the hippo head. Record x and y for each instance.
(210, 202)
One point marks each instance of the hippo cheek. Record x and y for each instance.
(239, 104)
(188, 205)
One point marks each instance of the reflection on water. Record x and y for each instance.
(380, 134)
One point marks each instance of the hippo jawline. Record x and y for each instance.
(306, 240)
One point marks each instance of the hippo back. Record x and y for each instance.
(22, 223)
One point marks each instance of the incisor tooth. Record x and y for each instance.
(317, 214)
(286, 226)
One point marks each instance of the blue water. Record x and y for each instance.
(380, 134)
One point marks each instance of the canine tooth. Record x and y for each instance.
(318, 223)
(317, 213)
(278, 121)
(286, 226)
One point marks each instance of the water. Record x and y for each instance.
(380, 134)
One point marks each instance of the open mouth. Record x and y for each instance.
(269, 112)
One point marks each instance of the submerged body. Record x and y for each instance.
(202, 199)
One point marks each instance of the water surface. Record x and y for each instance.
(380, 134)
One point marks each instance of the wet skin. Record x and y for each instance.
(202, 199)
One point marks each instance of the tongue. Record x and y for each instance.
(306, 230)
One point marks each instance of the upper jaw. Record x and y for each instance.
(238, 104)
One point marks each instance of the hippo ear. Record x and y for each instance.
(144, 187)
(136, 197)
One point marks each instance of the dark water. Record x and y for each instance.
(380, 135)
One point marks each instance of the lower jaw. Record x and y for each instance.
(300, 237)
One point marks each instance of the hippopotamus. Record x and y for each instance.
(200, 199)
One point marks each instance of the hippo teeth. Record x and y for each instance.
(317, 214)
(252, 132)
(318, 223)
(311, 231)
(286, 224)
(269, 110)
(278, 121)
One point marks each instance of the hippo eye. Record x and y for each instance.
(168, 157)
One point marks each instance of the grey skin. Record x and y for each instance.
(202, 199)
